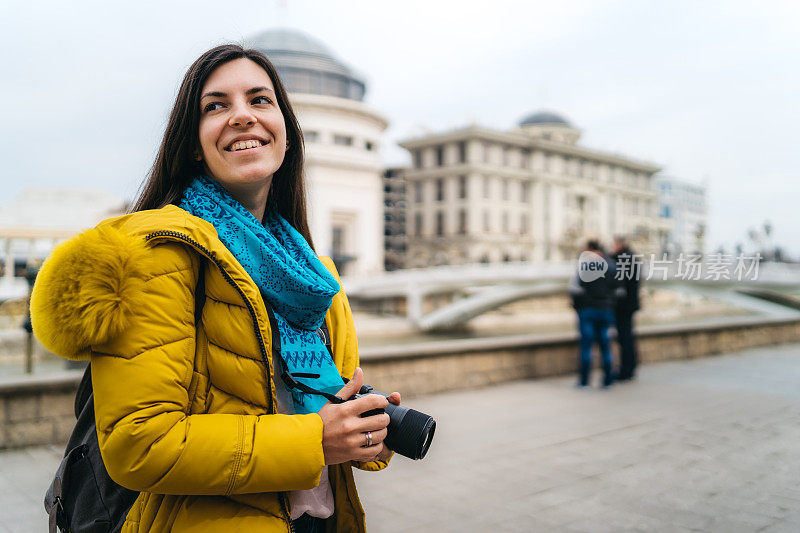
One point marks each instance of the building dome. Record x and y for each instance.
(544, 117)
(307, 66)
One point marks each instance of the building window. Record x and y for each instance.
(418, 224)
(462, 152)
(526, 192)
(525, 159)
(462, 186)
(311, 136)
(462, 221)
(506, 156)
(505, 188)
(440, 190)
(486, 154)
(418, 192)
(337, 241)
(440, 223)
(486, 190)
(505, 222)
(523, 224)
(369, 146)
(486, 223)
(343, 140)
(440, 156)
(416, 155)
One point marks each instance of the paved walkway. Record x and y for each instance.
(703, 445)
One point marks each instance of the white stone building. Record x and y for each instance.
(342, 138)
(531, 194)
(685, 206)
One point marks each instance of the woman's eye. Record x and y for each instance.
(213, 106)
(261, 100)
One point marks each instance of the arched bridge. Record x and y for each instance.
(766, 288)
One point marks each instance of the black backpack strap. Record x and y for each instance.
(84, 390)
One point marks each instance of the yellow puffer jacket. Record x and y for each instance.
(186, 413)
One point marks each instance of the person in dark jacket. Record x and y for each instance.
(593, 296)
(628, 271)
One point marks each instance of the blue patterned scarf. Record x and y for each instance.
(291, 278)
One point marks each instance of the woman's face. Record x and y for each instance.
(242, 131)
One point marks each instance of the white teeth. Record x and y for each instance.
(243, 145)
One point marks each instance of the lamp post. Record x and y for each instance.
(30, 277)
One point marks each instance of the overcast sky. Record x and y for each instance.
(708, 90)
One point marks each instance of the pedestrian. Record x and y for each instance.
(592, 289)
(191, 414)
(628, 272)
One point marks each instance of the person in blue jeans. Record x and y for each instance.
(593, 291)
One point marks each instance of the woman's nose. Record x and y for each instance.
(241, 116)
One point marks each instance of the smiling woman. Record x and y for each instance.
(189, 307)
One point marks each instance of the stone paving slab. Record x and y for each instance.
(704, 445)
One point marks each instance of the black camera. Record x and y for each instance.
(409, 432)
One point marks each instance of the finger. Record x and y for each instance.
(368, 402)
(373, 423)
(394, 398)
(360, 440)
(379, 435)
(371, 453)
(352, 386)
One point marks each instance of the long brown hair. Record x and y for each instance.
(175, 166)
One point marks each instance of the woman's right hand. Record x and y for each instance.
(344, 431)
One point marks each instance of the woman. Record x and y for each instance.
(192, 415)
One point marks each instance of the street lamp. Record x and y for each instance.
(30, 276)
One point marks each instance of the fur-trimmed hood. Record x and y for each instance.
(87, 287)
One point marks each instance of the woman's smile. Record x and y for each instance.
(241, 146)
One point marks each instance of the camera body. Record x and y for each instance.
(409, 432)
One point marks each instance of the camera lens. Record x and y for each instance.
(410, 432)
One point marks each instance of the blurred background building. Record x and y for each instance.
(685, 206)
(37, 219)
(530, 194)
(343, 137)
(394, 218)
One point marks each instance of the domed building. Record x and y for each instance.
(342, 138)
(550, 127)
(532, 193)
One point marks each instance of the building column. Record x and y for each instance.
(8, 274)
(414, 298)
(31, 259)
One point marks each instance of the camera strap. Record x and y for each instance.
(287, 376)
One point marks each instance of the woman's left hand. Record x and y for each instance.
(386, 453)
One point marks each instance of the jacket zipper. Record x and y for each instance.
(273, 326)
(213, 258)
(285, 509)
